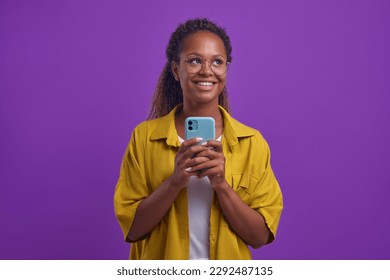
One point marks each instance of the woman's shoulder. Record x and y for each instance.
(154, 128)
(147, 124)
(247, 136)
(242, 130)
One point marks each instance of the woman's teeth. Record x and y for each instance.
(204, 83)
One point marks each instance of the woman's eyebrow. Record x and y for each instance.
(197, 54)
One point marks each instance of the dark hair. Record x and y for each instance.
(168, 92)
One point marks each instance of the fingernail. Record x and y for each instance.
(188, 169)
(204, 144)
(199, 139)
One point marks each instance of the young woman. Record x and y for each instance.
(176, 199)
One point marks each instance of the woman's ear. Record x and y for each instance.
(175, 70)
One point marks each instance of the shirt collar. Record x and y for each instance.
(166, 129)
(232, 129)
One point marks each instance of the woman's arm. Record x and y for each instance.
(152, 209)
(246, 222)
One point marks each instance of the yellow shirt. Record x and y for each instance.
(149, 160)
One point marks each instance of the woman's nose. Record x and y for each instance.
(206, 68)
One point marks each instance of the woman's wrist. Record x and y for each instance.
(174, 184)
(220, 186)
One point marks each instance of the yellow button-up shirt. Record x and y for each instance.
(149, 160)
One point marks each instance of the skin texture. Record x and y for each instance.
(191, 158)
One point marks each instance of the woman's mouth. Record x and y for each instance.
(205, 84)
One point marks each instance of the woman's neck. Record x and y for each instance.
(201, 110)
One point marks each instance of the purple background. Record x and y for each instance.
(77, 76)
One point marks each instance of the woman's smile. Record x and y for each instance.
(205, 85)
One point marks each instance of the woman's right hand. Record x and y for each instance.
(184, 161)
(152, 209)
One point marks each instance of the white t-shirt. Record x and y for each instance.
(200, 197)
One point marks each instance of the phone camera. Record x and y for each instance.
(190, 128)
(190, 122)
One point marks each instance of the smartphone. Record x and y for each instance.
(203, 127)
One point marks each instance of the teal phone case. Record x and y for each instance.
(203, 127)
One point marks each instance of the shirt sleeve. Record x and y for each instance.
(131, 187)
(267, 197)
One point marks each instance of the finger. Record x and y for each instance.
(186, 153)
(192, 151)
(210, 154)
(191, 173)
(216, 145)
(215, 171)
(191, 142)
(196, 161)
(206, 164)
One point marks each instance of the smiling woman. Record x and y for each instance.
(176, 199)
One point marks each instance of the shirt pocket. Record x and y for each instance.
(244, 183)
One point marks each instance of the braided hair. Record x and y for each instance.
(168, 92)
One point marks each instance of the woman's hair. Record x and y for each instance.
(168, 92)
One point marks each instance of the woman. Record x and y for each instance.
(176, 199)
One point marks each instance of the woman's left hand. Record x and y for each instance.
(245, 221)
(215, 167)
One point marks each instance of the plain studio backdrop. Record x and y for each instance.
(77, 76)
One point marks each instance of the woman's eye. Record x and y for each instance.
(195, 61)
(218, 62)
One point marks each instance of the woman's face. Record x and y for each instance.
(203, 86)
